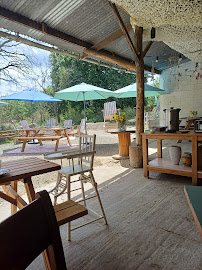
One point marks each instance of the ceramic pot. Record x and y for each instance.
(186, 159)
(175, 154)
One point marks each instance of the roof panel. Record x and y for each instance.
(88, 20)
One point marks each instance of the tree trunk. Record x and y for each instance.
(140, 85)
(135, 154)
(139, 101)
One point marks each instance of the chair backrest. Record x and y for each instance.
(53, 122)
(24, 124)
(87, 144)
(82, 126)
(30, 231)
(68, 123)
(50, 123)
(109, 109)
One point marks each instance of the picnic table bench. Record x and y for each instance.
(40, 139)
(7, 133)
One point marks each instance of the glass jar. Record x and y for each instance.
(122, 125)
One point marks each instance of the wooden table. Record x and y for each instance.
(189, 122)
(23, 170)
(194, 198)
(164, 165)
(34, 132)
(124, 143)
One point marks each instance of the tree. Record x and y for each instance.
(67, 71)
(13, 61)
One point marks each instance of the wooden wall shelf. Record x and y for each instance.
(164, 165)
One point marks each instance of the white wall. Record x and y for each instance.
(185, 92)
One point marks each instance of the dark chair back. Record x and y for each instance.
(30, 231)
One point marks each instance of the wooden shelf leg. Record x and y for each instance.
(159, 148)
(145, 155)
(194, 160)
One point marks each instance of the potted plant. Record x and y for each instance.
(121, 120)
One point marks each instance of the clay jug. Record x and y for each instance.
(187, 159)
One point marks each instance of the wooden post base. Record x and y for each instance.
(136, 156)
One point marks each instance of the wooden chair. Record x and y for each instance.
(80, 163)
(29, 232)
(51, 123)
(81, 127)
(68, 124)
(24, 124)
(108, 112)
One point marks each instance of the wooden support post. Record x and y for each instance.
(140, 86)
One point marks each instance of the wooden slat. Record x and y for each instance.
(68, 211)
(38, 138)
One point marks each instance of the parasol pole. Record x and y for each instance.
(32, 115)
(84, 109)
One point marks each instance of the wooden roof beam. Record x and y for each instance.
(123, 62)
(42, 27)
(116, 35)
(146, 49)
(124, 30)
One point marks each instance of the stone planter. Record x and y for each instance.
(175, 154)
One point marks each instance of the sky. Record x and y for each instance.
(40, 64)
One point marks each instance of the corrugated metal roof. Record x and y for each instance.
(88, 20)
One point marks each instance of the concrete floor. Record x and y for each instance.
(150, 226)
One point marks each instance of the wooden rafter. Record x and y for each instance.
(116, 35)
(146, 49)
(111, 57)
(121, 61)
(123, 28)
(42, 27)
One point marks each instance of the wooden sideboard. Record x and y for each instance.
(162, 165)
